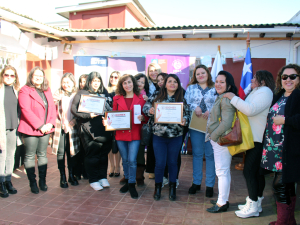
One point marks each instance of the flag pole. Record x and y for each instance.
(240, 166)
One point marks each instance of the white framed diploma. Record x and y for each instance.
(118, 120)
(92, 104)
(168, 113)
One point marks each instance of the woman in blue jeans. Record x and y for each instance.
(200, 96)
(167, 138)
(127, 96)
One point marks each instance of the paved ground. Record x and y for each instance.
(81, 205)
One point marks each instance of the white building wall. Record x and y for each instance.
(259, 49)
(130, 21)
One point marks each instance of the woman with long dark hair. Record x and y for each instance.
(167, 138)
(256, 107)
(66, 139)
(37, 121)
(281, 147)
(96, 141)
(223, 110)
(9, 121)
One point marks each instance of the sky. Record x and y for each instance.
(178, 12)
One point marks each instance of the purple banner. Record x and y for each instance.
(176, 64)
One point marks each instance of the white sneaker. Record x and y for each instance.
(96, 186)
(177, 183)
(249, 210)
(104, 182)
(165, 182)
(259, 204)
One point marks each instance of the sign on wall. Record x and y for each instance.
(175, 64)
(88, 64)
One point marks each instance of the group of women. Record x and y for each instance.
(32, 113)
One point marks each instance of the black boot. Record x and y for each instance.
(132, 191)
(140, 175)
(194, 188)
(125, 188)
(172, 191)
(42, 177)
(32, 181)
(63, 179)
(3, 190)
(72, 179)
(209, 192)
(157, 191)
(10, 188)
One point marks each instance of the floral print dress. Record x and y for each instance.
(273, 141)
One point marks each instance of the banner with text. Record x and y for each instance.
(87, 64)
(176, 64)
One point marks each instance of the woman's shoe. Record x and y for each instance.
(172, 191)
(34, 188)
(117, 174)
(111, 174)
(132, 190)
(194, 188)
(157, 191)
(72, 179)
(217, 209)
(10, 188)
(215, 202)
(151, 175)
(3, 190)
(209, 192)
(63, 180)
(125, 188)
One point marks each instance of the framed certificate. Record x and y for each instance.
(118, 120)
(168, 113)
(92, 104)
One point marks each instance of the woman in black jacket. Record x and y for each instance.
(96, 141)
(281, 146)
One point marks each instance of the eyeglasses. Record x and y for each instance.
(292, 76)
(115, 77)
(8, 75)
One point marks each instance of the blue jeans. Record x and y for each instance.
(166, 150)
(129, 151)
(200, 147)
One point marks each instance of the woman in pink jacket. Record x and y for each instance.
(38, 114)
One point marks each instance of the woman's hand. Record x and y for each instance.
(183, 122)
(93, 115)
(205, 115)
(279, 120)
(72, 123)
(141, 118)
(145, 97)
(198, 111)
(229, 95)
(152, 110)
(104, 121)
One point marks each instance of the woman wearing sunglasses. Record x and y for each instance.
(281, 143)
(9, 121)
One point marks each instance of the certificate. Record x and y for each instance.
(118, 120)
(168, 113)
(198, 123)
(92, 104)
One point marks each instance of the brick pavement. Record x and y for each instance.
(81, 205)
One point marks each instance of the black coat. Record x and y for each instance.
(291, 131)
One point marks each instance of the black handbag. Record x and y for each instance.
(146, 134)
(114, 147)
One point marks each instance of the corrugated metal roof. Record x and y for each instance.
(133, 29)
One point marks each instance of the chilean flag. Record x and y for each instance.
(245, 85)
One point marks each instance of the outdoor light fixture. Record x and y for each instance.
(147, 38)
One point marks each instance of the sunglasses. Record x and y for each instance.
(115, 77)
(8, 75)
(292, 76)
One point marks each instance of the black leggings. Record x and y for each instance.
(255, 181)
(283, 191)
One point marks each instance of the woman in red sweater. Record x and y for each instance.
(128, 141)
(38, 114)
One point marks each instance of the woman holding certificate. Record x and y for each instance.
(128, 98)
(200, 96)
(65, 139)
(170, 113)
(96, 141)
(37, 121)
(221, 117)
